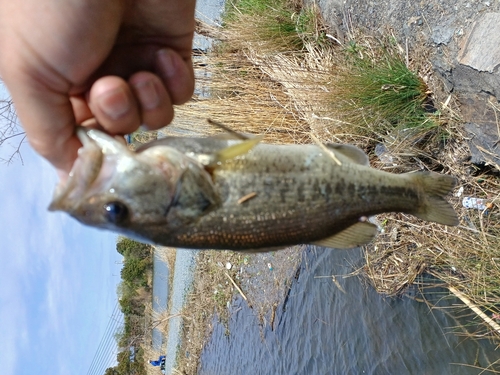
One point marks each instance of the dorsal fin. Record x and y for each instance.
(358, 234)
(233, 133)
(352, 153)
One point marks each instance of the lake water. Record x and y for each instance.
(321, 330)
(160, 295)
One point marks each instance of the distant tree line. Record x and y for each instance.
(134, 291)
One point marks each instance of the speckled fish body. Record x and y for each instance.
(177, 192)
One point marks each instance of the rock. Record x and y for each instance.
(481, 124)
(475, 75)
(481, 48)
(479, 58)
(442, 33)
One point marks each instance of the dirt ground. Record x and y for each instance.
(458, 38)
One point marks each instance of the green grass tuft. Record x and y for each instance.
(277, 25)
(385, 92)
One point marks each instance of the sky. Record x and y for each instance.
(58, 277)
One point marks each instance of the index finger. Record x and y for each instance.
(49, 122)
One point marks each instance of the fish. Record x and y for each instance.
(238, 193)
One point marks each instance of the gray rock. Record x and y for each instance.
(442, 33)
(479, 58)
(481, 48)
(482, 126)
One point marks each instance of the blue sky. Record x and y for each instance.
(58, 277)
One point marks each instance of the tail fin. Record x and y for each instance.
(435, 187)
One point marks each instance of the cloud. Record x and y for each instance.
(57, 291)
(13, 328)
(25, 253)
(51, 264)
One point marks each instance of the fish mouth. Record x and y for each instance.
(84, 172)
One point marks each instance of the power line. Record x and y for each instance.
(106, 333)
(108, 347)
(107, 351)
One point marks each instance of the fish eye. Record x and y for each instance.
(115, 212)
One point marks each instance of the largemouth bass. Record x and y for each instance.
(215, 193)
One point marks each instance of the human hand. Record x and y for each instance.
(124, 63)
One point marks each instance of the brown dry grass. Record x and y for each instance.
(244, 98)
(308, 87)
(290, 96)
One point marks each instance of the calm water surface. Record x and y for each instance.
(321, 330)
(160, 295)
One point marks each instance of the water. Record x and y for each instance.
(208, 11)
(183, 277)
(321, 330)
(160, 295)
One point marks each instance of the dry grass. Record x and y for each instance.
(242, 97)
(261, 87)
(289, 95)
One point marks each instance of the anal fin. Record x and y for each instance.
(356, 235)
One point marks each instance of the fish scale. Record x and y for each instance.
(239, 194)
(321, 211)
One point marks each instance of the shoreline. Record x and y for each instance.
(183, 274)
(215, 279)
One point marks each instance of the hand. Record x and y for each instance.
(124, 63)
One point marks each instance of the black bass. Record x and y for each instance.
(214, 193)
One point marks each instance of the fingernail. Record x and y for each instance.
(114, 104)
(147, 94)
(166, 63)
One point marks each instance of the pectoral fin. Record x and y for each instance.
(238, 149)
(247, 143)
(358, 234)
